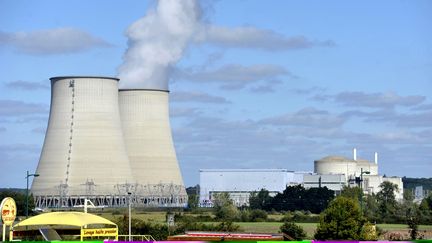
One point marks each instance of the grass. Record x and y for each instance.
(273, 227)
(256, 227)
(154, 217)
(402, 227)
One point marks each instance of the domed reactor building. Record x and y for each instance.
(106, 149)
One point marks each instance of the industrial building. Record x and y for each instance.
(239, 183)
(333, 172)
(338, 171)
(107, 147)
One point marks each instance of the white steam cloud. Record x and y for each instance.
(157, 42)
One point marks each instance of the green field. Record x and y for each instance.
(154, 217)
(273, 227)
(256, 227)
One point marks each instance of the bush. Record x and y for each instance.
(292, 230)
(140, 227)
(189, 223)
(342, 220)
(395, 236)
(224, 208)
(160, 231)
(227, 227)
(369, 232)
(244, 216)
(117, 212)
(20, 200)
(258, 215)
(199, 218)
(300, 217)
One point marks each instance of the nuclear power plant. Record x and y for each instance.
(108, 146)
(333, 172)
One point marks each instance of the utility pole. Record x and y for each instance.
(26, 204)
(361, 186)
(129, 205)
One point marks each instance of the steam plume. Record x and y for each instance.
(156, 42)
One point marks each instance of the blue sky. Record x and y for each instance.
(255, 84)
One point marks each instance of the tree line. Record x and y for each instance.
(350, 215)
(293, 198)
(19, 196)
(381, 207)
(411, 183)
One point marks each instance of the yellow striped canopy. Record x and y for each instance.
(65, 218)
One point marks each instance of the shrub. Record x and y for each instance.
(369, 232)
(224, 208)
(227, 227)
(245, 216)
(299, 216)
(292, 230)
(199, 218)
(258, 215)
(342, 220)
(140, 227)
(395, 236)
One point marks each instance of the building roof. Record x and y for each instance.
(81, 76)
(245, 170)
(334, 158)
(78, 219)
(363, 161)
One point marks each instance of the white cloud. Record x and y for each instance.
(234, 76)
(423, 107)
(183, 112)
(308, 91)
(157, 42)
(52, 41)
(291, 140)
(182, 96)
(25, 85)
(390, 116)
(40, 130)
(20, 108)
(267, 87)
(12, 148)
(377, 100)
(307, 117)
(254, 38)
(415, 120)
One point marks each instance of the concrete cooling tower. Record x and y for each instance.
(107, 147)
(84, 154)
(147, 133)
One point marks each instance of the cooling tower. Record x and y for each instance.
(147, 133)
(84, 155)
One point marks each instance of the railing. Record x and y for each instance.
(136, 238)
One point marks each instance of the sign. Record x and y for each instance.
(170, 220)
(99, 232)
(8, 211)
